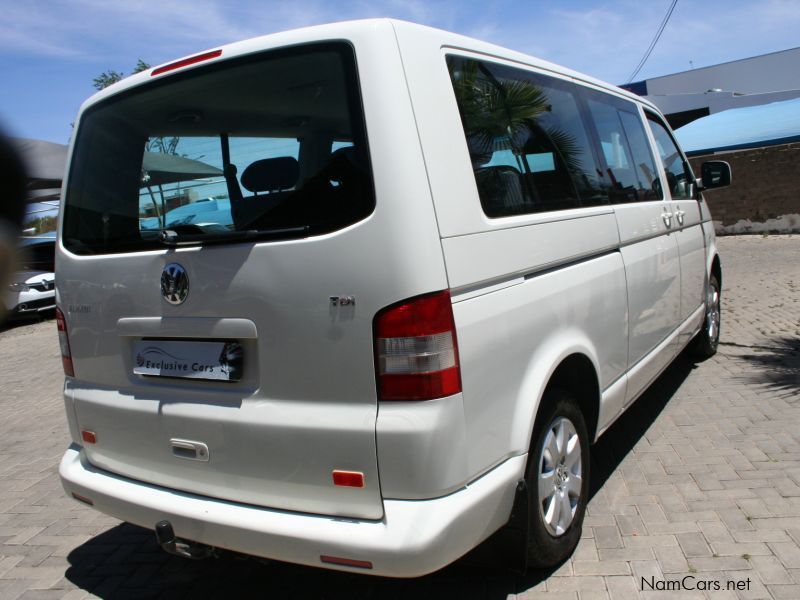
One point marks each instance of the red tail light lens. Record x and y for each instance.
(416, 351)
(63, 339)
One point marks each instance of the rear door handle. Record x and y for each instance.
(679, 215)
(189, 449)
(667, 216)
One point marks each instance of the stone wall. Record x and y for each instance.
(765, 193)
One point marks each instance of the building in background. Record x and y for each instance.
(690, 95)
(746, 112)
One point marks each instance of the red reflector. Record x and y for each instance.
(186, 62)
(83, 499)
(416, 351)
(66, 363)
(348, 562)
(63, 340)
(88, 436)
(348, 479)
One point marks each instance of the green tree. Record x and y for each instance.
(140, 66)
(109, 77)
(505, 114)
(106, 78)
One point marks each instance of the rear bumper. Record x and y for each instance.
(414, 538)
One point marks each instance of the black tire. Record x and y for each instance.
(548, 543)
(707, 339)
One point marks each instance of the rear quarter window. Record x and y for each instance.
(527, 139)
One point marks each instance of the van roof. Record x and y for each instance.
(345, 30)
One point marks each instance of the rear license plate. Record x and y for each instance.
(218, 361)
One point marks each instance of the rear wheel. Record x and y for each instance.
(707, 340)
(558, 479)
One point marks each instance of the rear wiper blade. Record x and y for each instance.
(170, 237)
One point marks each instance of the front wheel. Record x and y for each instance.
(707, 340)
(558, 480)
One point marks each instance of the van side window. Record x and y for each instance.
(527, 140)
(679, 175)
(629, 163)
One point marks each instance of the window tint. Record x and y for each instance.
(679, 176)
(183, 182)
(263, 147)
(629, 163)
(527, 140)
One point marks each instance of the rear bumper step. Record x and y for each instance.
(414, 538)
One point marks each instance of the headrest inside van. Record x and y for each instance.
(271, 174)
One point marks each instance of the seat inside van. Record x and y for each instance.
(271, 180)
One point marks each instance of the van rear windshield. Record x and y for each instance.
(270, 146)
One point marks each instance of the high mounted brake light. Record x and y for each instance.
(416, 351)
(185, 62)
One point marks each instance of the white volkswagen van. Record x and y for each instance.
(346, 296)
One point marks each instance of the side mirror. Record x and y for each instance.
(715, 174)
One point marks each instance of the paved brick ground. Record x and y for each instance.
(700, 478)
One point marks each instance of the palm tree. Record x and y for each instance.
(496, 110)
(504, 115)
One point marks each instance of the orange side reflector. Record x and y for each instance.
(88, 436)
(348, 479)
(347, 562)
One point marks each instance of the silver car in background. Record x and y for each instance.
(31, 289)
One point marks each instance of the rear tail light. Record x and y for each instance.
(63, 339)
(416, 351)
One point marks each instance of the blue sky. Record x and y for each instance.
(51, 50)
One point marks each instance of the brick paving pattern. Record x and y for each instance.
(700, 478)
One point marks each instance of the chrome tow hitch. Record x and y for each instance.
(165, 536)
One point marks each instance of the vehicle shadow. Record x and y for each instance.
(125, 561)
(623, 435)
(17, 322)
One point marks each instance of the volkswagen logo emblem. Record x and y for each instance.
(174, 283)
